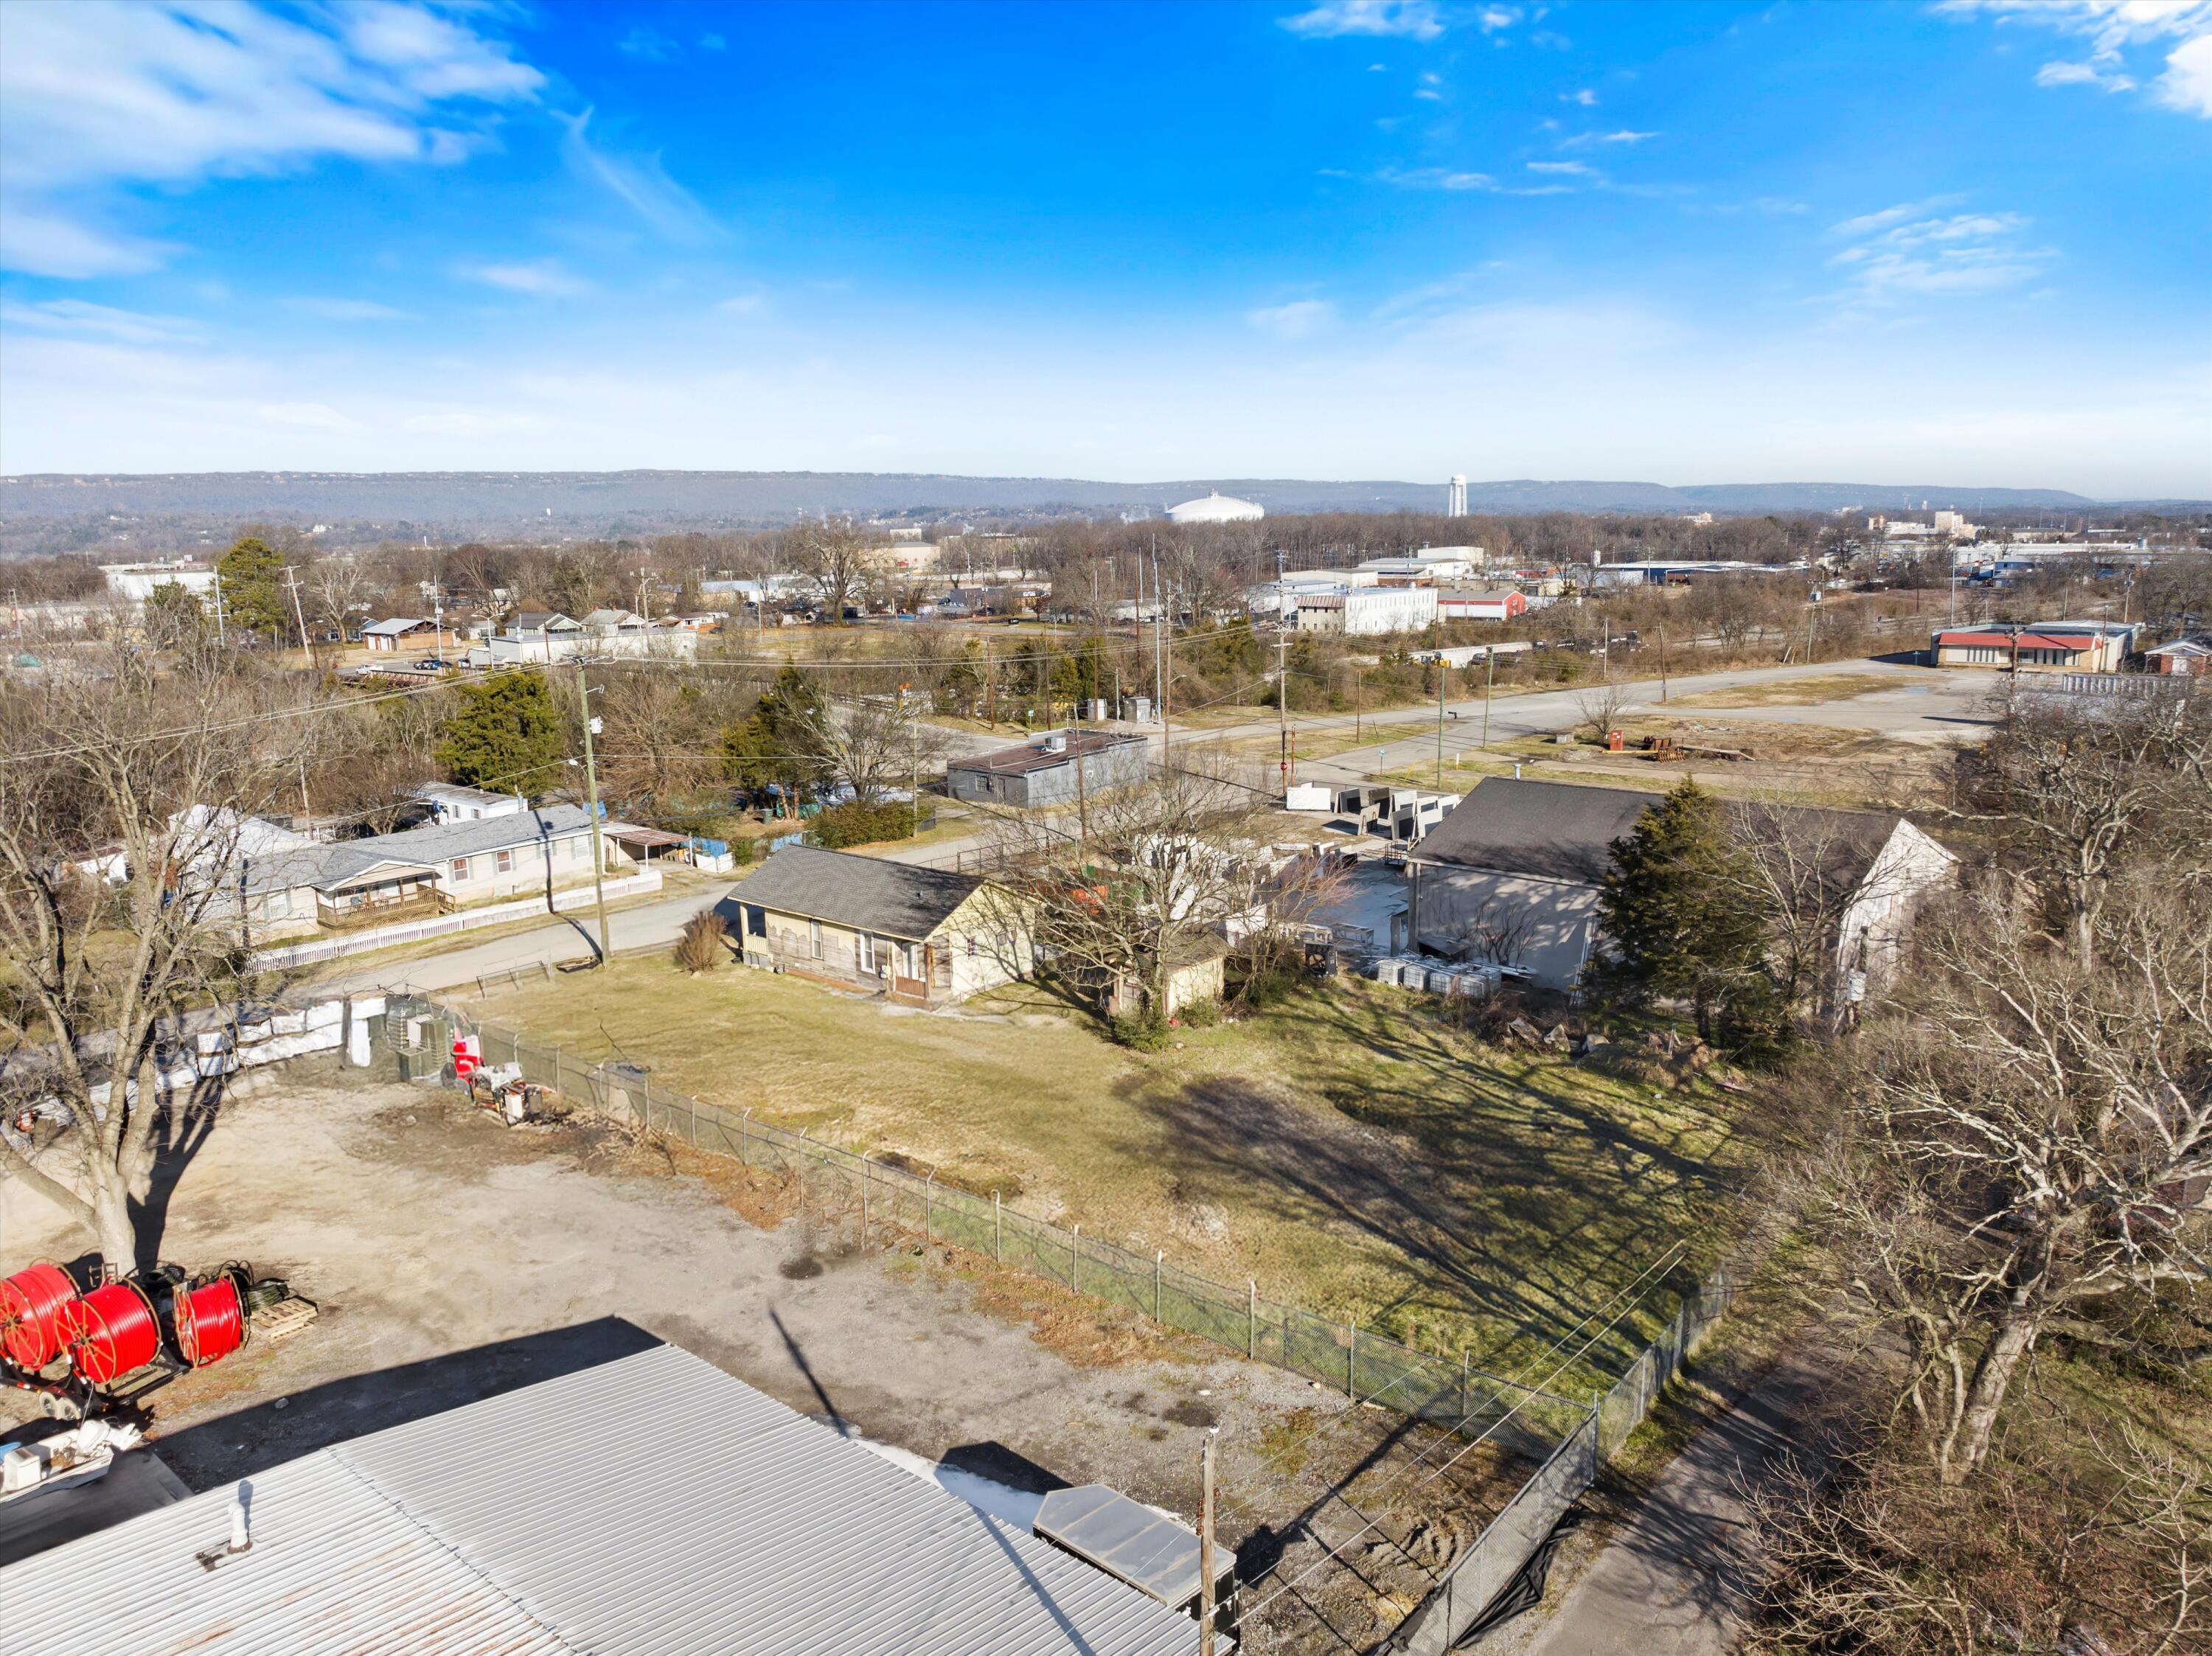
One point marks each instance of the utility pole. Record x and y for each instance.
(1489, 684)
(1443, 678)
(1282, 680)
(220, 636)
(1205, 1544)
(1662, 661)
(292, 584)
(592, 792)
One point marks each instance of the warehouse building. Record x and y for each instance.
(1367, 612)
(651, 1504)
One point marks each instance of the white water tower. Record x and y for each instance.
(1456, 498)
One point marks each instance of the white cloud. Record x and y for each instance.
(1586, 98)
(1298, 320)
(1494, 18)
(2117, 30)
(1436, 178)
(1898, 253)
(1415, 18)
(1574, 169)
(2063, 74)
(98, 96)
(649, 44)
(640, 183)
(545, 278)
(80, 317)
(348, 310)
(45, 243)
(1866, 223)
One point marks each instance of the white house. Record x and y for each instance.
(1514, 874)
(449, 802)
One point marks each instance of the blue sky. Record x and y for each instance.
(1962, 242)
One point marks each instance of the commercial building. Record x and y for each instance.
(925, 935)
(1368, 612)
(134, 582)
(1430, 567)
(400, 633)
(2040, 646)
(2185, 658)
(1680, 572)
(1217, 508)
(1485, 603)
(1057, 768)
(652, 1504)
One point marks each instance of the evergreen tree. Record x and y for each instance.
(781, 741)
(253, 602)
(506, 734)
(1678, 921)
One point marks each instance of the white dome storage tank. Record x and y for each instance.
(1217, 508)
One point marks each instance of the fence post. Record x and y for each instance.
(1075, 1261)
(929, 1209)
(998, 1229)
(744, 1139)
(1251, 1318)
(1351, 1366)
(1462, 1385)
(1159, 1255)
(864, 1201)
(560, 1089)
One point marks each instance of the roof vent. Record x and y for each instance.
(1056, 742)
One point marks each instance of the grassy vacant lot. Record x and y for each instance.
(1352, 1151)
(1807, 692)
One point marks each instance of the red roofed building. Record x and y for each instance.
(2045, 646)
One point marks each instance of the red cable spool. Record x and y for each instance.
(210, 1321)
(112, 1333)
(32, 1304)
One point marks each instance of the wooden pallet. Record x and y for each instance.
(285, 1317)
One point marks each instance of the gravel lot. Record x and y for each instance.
(453, 1259)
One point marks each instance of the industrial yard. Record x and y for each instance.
(451, 1258)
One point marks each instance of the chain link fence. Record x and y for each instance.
(1568, 1440)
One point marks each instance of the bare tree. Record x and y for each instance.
(2027, 1142)
(1177, 856)
(831, 553)
(339, 587)
(880, 742)
(153, 776)
(1602, 705)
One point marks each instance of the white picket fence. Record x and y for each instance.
(316, 949)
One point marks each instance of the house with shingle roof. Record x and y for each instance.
(923, 935)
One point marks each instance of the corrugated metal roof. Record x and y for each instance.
(1152, 1552)
(651, 1506)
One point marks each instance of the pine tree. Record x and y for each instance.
(252, 590)
(1678, 921)
(506, 734)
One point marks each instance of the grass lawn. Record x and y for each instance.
(1350, 1151)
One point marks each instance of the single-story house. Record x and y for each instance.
(2185, 658)
(449, 802)
(1056, 769)
(2042, 647)
(400, 633)
(918, 934)
(422, 872)
(1513, 875)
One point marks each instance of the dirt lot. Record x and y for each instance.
(453, 1259)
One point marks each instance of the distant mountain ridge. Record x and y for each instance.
(572, 503)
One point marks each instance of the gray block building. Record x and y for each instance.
(1043, 771)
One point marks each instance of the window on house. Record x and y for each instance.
(814, 938)
(910, 960)
(503, 861)
(864, 949)
(460, 867)
(279, 905)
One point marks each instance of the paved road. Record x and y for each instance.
(1904, 709)
(1674, 1580)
